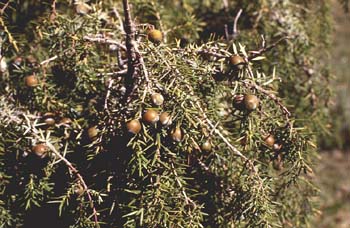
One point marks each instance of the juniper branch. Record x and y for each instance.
(130, 49)
(70, 167)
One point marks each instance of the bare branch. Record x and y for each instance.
(225, 3)
(49, 60)
(53, 6)
(265, 48)
(121, 26)
(130, 48)
(105, 41)
(2, 10)
(80, 177)
(235, 30)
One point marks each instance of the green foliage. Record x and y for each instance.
(113, 178)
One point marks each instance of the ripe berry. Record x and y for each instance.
(157, 99)
(92, 132)
(134, 126)
(270, 140)
(31, 81)
(165, 119)
(150, 116)
(155, 36)
(251, 102)
(40, 150)
(206, 146)
(176, 134)
(237, 62)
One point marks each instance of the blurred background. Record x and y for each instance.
(332, 172)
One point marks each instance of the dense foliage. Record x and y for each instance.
(152, 114)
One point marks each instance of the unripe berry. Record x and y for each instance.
(251, 102)
(134, 126)
(92, 133)
(277, 147)
(40, 150)
(157, 99)
(206, 146)
(270, 140)
(18, 61)
(238, 102)
(82, 8)
(176, 135)
(66, 121)
(52, 17)
(31, 81)
(49, 118)
(165, 119)
(237, 62)
(150, 116)
(31, 60)
(155, 36)
(277, 163)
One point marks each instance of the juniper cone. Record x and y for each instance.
(97, 67)
(134, 126)
(165, 119)
(155, 36)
